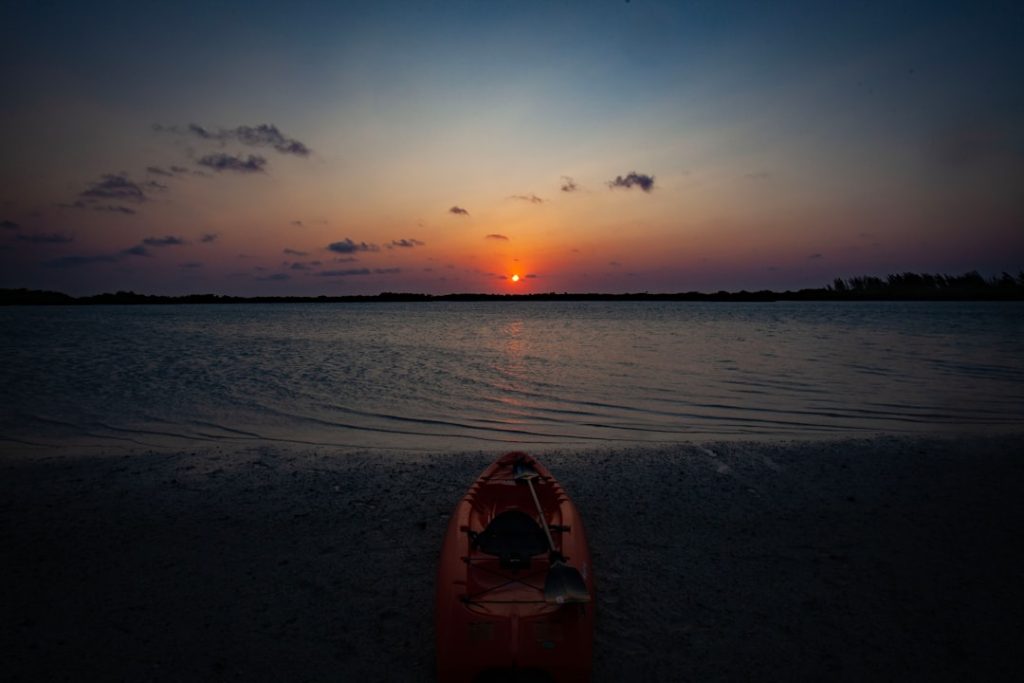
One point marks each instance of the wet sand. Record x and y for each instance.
(871, 559)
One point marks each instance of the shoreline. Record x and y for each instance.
(852, 559)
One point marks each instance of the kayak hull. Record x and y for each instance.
(492, 619)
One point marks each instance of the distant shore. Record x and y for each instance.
(902, 287)
(866, 559)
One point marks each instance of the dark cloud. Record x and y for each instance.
(568, 184)
(91, 204)
(45, 238)
(262, 135)
(496, 236)
(296, 223)
(168, 241)
(347, 246)
(815, 256)
(227, 162)
(268, 135)
(531, 276)
(614, 264)
(358, 271)
(156, 170)
(458, 211)
(532, 198)
(409, 243)
(110, 208)
(642, 180)
(76, 261)
(294, 252)
(344, 273)
(9, 225)
(209, 237)
(191, 265)
(276, 277)
(115, 186)
(137, 250)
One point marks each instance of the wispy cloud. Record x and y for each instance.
(294, 252)
(276, 277)
(814, 257)
(228, 162)
(137, 250)
(758, 175)
(532, 198)
(45, 238)
(633, 179)
(568, 184)
(349, 272)
(115, 186)
(171, 171)
(407, 243)
(77, 261)
(347, 246)
(458, 211)
(191, 265)
(495, 236)
(209, 237)
(168, 241)
(262, 135)
(297, 224)
(344, 272)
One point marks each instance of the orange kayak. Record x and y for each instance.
(515, 584)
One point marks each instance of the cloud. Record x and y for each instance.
(262, 135)
(168, 241)
(358, 271)
(76, 261)
(276, 277)
(45, 238)
(191, 265)
(531, 276)
(9, 225)
(91, 204)
(137, 250)
(568, 184)
(458, 211)
(642, 180)
(347, 246)
(815, 256)
(209, 237)
(532, 198)
(496, 236)
(296, 223)
(227, 162)
(344, 273)
(614, 264)
(408, 243)
(757, 175)
(294, 252)
(115, 186)
(110, 208)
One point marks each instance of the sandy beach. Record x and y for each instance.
(869, 559)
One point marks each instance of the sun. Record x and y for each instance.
(515, 278)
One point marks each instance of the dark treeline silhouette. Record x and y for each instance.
(899, 287)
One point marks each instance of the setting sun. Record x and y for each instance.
(515, 278)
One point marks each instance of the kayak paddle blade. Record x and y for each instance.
(523, 471)
(564, 585)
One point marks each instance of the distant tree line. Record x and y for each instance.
(899, 287)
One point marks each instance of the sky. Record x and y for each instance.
(334, 148)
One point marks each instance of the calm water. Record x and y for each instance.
(489, 375)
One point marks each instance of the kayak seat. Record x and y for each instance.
(514, 537)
